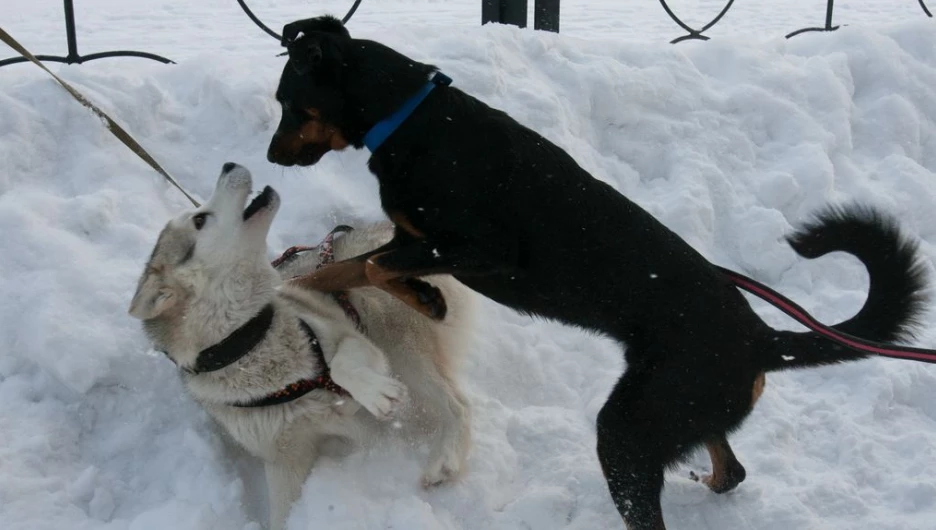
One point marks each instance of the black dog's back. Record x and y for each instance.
(585, 254)
(588, 256)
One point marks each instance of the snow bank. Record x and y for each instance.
(730, 144)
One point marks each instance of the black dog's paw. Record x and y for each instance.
(723, 483)
(429, 297)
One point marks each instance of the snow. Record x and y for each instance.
(730, 142)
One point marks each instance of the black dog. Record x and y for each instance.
(477, 195)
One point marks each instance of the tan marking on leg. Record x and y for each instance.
(390, 282)
(339, 276)
(720, 459)
(727, 472)
(759, 382)
(393, 283)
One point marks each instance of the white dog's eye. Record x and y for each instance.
(199, 220)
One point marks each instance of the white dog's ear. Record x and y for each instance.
(152, 297)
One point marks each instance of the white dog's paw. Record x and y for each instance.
(444, 469)
(383, 398)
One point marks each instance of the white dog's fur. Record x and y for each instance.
(201, 284)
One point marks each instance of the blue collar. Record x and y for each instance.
(384, 128)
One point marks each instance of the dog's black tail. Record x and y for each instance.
(896, 295)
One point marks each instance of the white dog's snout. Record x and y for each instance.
(235, 176)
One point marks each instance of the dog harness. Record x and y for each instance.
(301, 387)
(244, 339)
(384, 128)
(324, 381)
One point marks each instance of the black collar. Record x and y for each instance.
(236, 345)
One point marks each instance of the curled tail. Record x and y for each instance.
(896, 295)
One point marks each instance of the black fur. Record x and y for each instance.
(514, 217)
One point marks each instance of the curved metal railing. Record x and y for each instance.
(828, 22)
(508, 11)
(695, 34)
(925, 10)
(72, 39)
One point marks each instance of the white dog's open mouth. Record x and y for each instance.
(260, 202)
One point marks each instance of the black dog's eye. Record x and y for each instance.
(199, 220)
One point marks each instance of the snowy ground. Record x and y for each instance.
(730, 143)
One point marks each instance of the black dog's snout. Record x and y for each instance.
(228, 166)
(274, 153)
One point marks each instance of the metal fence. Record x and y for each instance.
(546, 16)
(72, 40)
(515, 12)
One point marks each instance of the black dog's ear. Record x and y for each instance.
(305, 54)
(324, 24)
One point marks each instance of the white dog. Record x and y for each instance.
(275, 364)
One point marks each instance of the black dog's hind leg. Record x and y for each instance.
(727, 471)
(633, 455)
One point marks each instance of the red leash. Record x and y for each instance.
(800, 315)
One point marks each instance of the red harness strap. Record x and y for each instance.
(327, 255)
(293, 391)
(326, 251)
(289, 253)
(301, 387)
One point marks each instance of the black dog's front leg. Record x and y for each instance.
(343, 275)
(395, 271)
(462, 257)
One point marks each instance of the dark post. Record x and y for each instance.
(505, 12)
(70, 35)
(546, 15)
